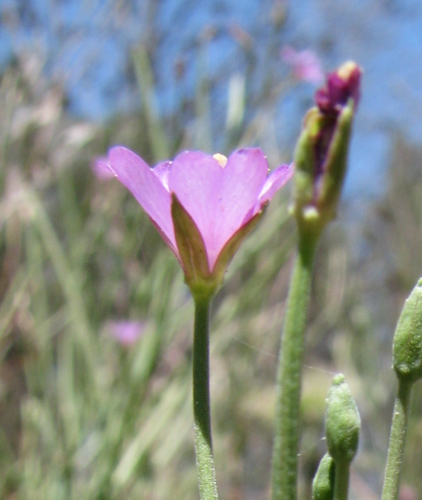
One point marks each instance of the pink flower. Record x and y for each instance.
(202, 205)
(126, 332)
(305, 64)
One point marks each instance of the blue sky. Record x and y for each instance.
(86, 44)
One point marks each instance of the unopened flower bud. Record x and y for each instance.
(407, 343)
(323, 483)
(322, 149)
(342, 422)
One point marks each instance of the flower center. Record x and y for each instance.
(222, 160)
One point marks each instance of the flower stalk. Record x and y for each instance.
(320, 166)
(407, 363)
(289, 379)
(398, 433)
(341, 483)
(201, 402)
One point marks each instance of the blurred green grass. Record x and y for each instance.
(83, 417)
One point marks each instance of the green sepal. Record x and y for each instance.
(342, 422)
(192, 251)
(304, 163)
(336, 163)
(304, 209)
(323, 483)
(407, 343)
(202, 282)
(231, 247)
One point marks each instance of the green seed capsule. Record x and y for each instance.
(407, 343)
(323, 483)
(342, 422)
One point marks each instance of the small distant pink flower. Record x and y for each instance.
(126, 332)
(305, 64)
(101, 168)
(202, 205)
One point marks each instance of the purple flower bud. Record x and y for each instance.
(321, 152)
(342, 85)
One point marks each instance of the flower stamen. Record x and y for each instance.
(222, 160)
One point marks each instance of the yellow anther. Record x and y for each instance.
(346, 69)
(222, 160)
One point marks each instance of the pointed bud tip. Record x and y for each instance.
(338, 379)
(346, 70)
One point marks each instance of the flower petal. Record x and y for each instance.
(244, 177)
(146, 187)
(196, 179)
(218, 198)
(162, 171)
(274, 182)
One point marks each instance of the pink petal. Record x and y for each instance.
(162, 172)
(218, 198)
(244, 176)
(274, 182)
(146, 187)
(195, 178)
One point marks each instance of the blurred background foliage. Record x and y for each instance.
(84, 416)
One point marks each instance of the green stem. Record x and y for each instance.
(201, 402)
(289, 379)
(397, 441)
(341, 482)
